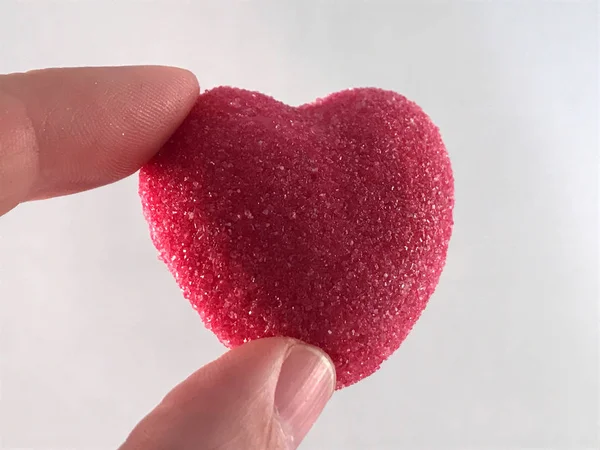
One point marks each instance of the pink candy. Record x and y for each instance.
(328, 222)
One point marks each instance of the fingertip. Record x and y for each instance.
(182, 84)
(264, 394)
(305, 384)
(73, 129)
(186, 79)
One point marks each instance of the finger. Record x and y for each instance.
(263, 395)
(68, 130)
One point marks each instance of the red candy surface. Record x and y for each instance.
(327, 222)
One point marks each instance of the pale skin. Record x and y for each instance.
(64, 131)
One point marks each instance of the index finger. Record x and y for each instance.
(68, 130)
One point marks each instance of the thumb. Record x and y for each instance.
(265, 394)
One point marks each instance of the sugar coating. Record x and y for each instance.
(327, 222)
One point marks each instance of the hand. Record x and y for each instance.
(68, 130)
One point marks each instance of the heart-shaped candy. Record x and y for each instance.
(327, 222)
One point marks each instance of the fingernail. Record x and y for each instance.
(305, 384)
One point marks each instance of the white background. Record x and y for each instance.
(93, 330)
